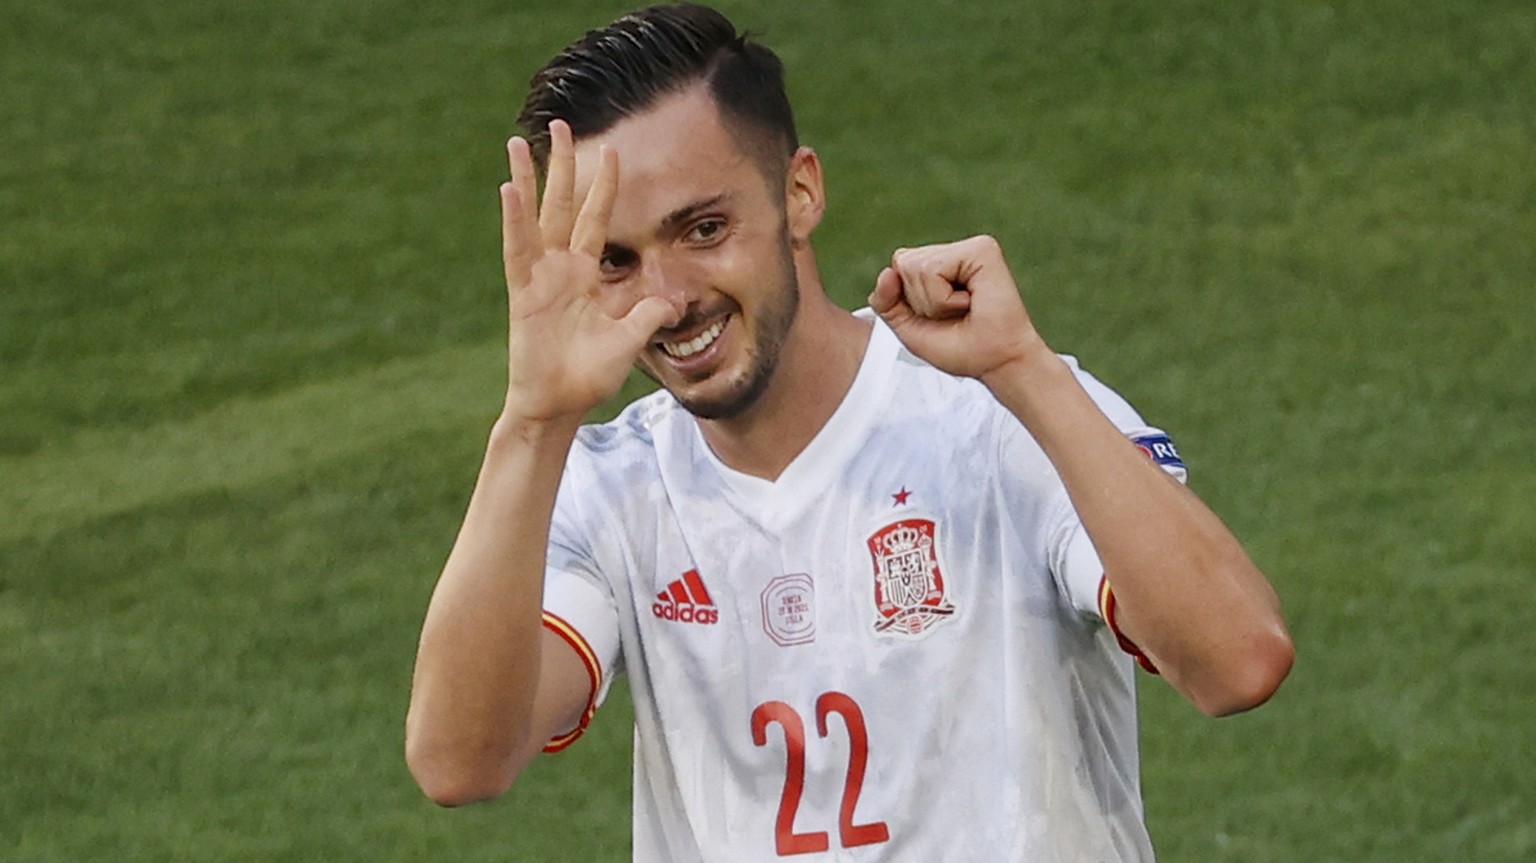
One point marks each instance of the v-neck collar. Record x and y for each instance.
(804, 480)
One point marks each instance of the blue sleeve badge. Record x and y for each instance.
(1160, 448)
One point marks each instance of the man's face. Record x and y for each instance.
(695, 221)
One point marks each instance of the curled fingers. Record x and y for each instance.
(928, 283)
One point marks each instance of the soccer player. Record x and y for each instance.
(877, 578)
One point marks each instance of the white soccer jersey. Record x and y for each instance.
(895, 651)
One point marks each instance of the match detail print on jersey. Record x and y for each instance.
(789, 610)
(909, 588)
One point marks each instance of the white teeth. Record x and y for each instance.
(683, 350)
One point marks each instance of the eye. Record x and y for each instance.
(616, 261)
(706, 231)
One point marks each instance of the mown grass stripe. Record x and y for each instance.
(245, 442)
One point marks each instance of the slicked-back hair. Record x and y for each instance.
(628, 66)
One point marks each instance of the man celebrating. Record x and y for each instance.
(877, 578)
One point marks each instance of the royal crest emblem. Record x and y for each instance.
(909, 588)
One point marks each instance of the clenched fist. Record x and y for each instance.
(957, 306)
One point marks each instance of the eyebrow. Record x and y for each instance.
(688, 211)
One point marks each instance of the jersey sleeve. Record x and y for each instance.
(579, 607)
(1074, 561)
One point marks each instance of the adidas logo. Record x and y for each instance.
(686, 601)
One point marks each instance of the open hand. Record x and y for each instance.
(567, 351)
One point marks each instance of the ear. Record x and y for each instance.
(805, 196)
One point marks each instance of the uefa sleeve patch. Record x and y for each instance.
(1160, 448)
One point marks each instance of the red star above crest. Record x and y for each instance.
(901, 496)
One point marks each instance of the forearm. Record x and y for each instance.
(478, 662)
(1186, 591)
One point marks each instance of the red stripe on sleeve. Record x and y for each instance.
(1107, 610)
(569, 634)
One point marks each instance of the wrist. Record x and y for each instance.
(1026, 372)
(521, 429)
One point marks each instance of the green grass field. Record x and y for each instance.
(251, 329)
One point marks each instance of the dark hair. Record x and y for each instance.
(627, 66)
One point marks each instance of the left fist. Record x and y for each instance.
(957, 306)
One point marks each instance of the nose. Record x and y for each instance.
(663, 275)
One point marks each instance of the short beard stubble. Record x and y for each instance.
(773, 325)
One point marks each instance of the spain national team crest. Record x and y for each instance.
(909, 589)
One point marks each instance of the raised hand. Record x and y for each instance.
(957, 306)
(568, 348)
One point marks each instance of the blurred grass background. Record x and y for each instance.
(251, 331)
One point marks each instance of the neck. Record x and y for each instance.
(817, 365)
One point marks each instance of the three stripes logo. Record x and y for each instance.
(686, 600)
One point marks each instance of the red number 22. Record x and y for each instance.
(787, 840)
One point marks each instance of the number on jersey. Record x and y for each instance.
(787, 841)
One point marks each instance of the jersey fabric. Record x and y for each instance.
(895, 651)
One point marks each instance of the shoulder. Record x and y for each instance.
(612, 470)
(916, 384)
(1109, 401)
(621, 451)
(635, 429)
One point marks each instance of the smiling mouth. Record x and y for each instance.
(685, 349)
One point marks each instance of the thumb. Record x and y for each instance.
(646, 317)
(887, 292)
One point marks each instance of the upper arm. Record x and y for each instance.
(571, 685)
(580, 650)
(580, 647)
